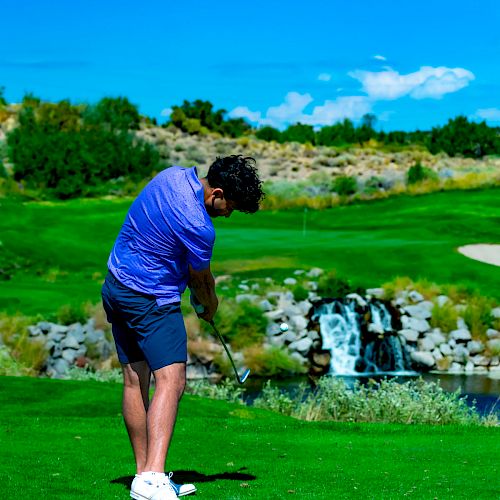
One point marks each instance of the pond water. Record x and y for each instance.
(483, 390)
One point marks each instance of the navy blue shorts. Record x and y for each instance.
(143, 330)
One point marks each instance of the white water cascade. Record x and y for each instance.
(360, 339)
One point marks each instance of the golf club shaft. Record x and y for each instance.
(227, 351)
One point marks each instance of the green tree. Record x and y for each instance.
(268, 133)
(299, 133)
(118, 113)
(3, 102)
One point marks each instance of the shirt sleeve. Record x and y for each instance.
(199, 242)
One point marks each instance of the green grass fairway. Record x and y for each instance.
(368, 243)
(66, 440)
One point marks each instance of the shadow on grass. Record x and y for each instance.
(191, 476)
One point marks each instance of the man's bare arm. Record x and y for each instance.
(202, 283)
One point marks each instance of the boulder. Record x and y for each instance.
(298, 357)
(290, 281)
(69, 355)
(378, 293)
(246, 297)
(494, 361)
(313, 335)
(55, 337)
(94, 336)
(445, 349)
(492, 334)
(493, 345)
(420, 325)
(315, 272)
(475, 347)
(461, 335)
(461, 324)
(70, 341)
(298, 322)
(415, 296)
(469, 367)
(298, 272)
(456, 368)
(196, 372)
(418, 311)
(35, 331)
(275, 315)
(436, 354)
(425, 344)
(303, 345)
(277, 340)
(304, 306)
(441, 300)
(496, 312)
(460, 354)
(273, 329)
(76, 330)
(436, 336)
(479, 360)
(321, 359)
(44, 326)
(359, 300)
(423, 358)
(265, 305)
(289, 337)
(480, 370)
(409, 335)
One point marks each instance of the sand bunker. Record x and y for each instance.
(488, 253)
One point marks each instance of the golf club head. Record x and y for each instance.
(244, 376)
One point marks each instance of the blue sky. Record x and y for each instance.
(413, 64)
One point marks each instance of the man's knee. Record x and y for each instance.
(171, 377)
(135, 375)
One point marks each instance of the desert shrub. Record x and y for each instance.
(271, 362)
(117, 113)
(344, 185)
(28, 353)
(53, 148)
(68, 314)
(225, 391)
(85, 374)
(444, 317)
(268, 133)
(418, 173)
(477, 315)
(387, 401)
(241, 324)
(332, 286)
(300, 292)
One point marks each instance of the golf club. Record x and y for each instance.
(245, 374)
(199, 309)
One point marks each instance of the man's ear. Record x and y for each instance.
(218, 193)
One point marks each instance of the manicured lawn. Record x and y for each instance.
(369, 243)
(66, 440)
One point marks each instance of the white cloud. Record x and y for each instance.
(324, 77)
(292, 111)
(490, 114)
(166, 112)
(427, 82)
(380, 58)
(352, 107)
(244, 112)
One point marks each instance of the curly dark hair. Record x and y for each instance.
(237, 176)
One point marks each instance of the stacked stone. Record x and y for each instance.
(69, 346)
(301, 342)
(452, 352)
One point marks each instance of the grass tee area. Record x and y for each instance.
(60, 249)
(66, 440)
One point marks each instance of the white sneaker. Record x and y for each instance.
(181, 489)
(152, 486)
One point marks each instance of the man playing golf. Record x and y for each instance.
(165, 244)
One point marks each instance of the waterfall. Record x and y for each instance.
(360, 337)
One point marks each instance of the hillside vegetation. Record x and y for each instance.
(63, 150)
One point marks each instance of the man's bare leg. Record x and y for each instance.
(169, 386)
(136, 378)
